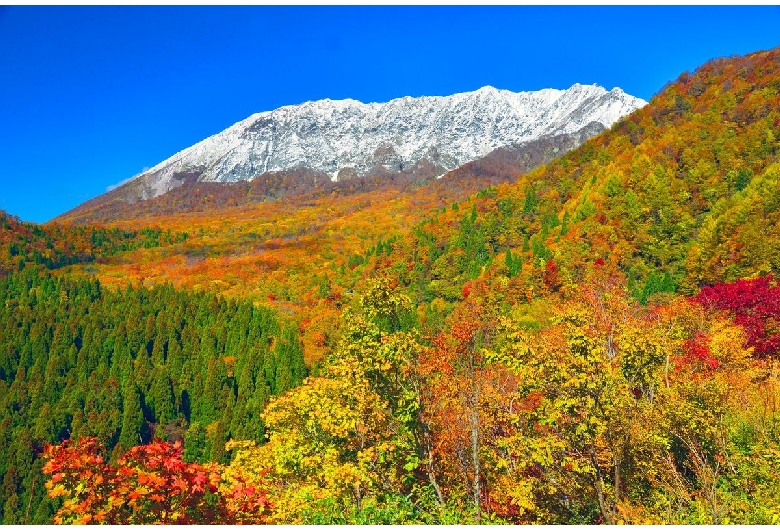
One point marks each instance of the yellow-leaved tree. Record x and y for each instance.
(351, 435)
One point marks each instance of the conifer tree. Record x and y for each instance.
(132, 418)
(162, 401)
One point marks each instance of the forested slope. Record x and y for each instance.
(125, 366)
(54, 246)
(595, 343)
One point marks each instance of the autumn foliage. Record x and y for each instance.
(150, 484)
(755, 306)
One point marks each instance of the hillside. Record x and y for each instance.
(595, 343)
(592, 341)
(683, 188)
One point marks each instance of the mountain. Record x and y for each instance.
(349, 138)
(321, 142)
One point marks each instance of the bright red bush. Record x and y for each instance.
(754, 305)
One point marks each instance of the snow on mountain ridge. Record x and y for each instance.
(336, 135)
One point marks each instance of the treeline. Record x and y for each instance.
(54, 246)
(126, 366)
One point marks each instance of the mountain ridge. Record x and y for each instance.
(347, 138)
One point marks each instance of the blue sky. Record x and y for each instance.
(93, 95)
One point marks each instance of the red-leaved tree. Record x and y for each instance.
(150, 484)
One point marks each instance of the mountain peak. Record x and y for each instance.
(488, 89)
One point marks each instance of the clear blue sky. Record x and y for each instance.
(90, 96)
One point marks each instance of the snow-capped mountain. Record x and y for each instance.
(348, 138)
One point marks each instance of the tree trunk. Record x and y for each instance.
(436, 488)
(474, 420)
(424, 453)
(606, 512)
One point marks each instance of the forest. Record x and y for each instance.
(595, 341)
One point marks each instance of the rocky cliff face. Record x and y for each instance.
(347, 139)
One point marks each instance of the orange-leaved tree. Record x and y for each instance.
(150, 484)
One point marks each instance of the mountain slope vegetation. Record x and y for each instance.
(594, 342)
(679, 190)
